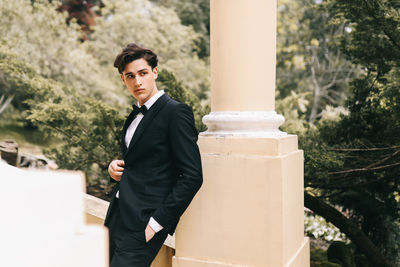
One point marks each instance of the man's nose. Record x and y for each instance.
(138, 81)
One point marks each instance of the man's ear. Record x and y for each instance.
(155, 72)
(122, 78)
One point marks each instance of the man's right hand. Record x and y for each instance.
(115, 169)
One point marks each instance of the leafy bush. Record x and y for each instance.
(38, 34)
(317, 227)
(339, 252)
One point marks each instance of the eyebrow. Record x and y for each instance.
(128, 73)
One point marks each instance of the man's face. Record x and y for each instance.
(140, 80)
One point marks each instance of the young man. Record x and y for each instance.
(161, 167)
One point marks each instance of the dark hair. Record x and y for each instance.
(132, 52)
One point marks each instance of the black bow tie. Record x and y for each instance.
(137, 110)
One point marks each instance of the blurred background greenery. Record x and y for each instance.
(338, 86)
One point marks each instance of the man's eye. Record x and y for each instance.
(143, 73)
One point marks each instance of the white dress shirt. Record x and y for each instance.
(134, 124)
(128, 137)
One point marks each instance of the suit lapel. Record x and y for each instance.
(150, 114)
(128, 122)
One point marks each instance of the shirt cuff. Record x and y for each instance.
(155, 225)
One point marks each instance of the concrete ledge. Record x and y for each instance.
(96, 206)
(96, 210)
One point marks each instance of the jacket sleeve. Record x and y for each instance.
(186, 156)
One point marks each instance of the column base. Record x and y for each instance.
(244, 124)
(250, 210)
(300, 259)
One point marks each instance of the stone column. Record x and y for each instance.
(243, 56)
(249, 211)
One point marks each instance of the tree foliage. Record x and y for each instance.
(69, 90)
(196, 14)
(309, 60)
(39, 35)
(177, 91)
(126, 21)
(353, 160)
(83, 11)
(88, 129)
(86, 125)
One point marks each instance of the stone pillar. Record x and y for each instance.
(243, 55)
(249, 211)
(43, 221)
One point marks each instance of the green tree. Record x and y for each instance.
(88, 129)
(196, 14)
(175, 89)
(156, 27)
(69, 90)
(83, 11)
(353, 162)
(309, 59)
(39, 35)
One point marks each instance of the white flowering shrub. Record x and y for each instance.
(319, 228)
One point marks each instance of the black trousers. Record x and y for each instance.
(128, 248)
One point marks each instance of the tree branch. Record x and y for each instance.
(366, 169)
(346, 226)
(347, 185)
(317, 91)
(383, 160)
(363, 149)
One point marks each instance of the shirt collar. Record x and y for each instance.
(153, 99)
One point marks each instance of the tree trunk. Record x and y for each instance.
(346, 226)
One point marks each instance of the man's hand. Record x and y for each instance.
(115, 169)
(149, 232)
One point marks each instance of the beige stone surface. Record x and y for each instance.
(95, 207)
(302, 256)
(164, 257)
(243, 55)
(249, 211)
(190, 262)
(91, 219)
(300, 259)
(240, 145)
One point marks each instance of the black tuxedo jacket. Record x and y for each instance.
(162, 170)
